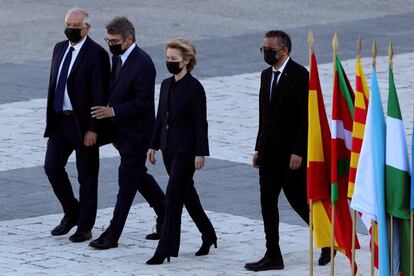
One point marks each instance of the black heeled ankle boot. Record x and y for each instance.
(158, 259)
(205, 248)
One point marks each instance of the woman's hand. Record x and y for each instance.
(151, 156)
(199, 162)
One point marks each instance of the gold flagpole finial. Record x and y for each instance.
(374, 53)
(311, 40)
(359, 45)
(335, 42)
(390, 52)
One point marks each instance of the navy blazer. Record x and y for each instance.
(131, 95)
(283, 121)
(87, 85)
(185, 129)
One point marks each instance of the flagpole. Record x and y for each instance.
(359, 45)
(390, 55)
(335, 45)
(311, 41)
(353, 242)
(372, 247)
(411, 241)
(373, 228)
(412, 219)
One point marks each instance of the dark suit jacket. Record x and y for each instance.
(283, 121)
(185, 131)
(87, 85)
(131, 94)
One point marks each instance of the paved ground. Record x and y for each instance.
(228, 35)
(28, 249)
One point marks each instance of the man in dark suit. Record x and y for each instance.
(131, 108)
(281, 144)
(78, 80)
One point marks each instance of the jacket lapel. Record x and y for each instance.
(128, 63)
(281, 86)
(57, 61)
(79, 58)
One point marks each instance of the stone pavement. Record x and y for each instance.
(229, 119)
(28, 249)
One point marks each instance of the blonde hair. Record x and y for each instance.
(187, 49)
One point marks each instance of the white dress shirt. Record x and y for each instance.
(67, 105)
(278, 77)
(125, 55)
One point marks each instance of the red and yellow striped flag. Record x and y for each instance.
(358, 128)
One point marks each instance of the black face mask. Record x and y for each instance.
(270, 57)
(173, 67)
(117, 49)
(74, 35)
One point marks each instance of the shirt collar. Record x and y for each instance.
(125, 55)
(78, 46)
(281, 67)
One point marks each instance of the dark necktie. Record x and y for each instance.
(274, 84)
(116, 66)
(60, 88)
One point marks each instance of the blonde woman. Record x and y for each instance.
(181, 132)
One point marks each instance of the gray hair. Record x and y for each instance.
(85, 14)
(121, 25)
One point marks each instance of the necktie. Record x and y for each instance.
(274, 84)
(60, 88)
(116, 65)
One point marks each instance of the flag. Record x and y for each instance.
(319, 157)
(358, 127)
(369, 190)
(341, 133)
(397, 178)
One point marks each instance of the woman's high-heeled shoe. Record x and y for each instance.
(158, 259)
(205, 248)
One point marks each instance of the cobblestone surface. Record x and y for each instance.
(26, 248)
(232, 113)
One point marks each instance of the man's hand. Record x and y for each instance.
(255, 160)
(151, 156)
(199, 162)
(102, 112)
(90, 138)
(295, 162)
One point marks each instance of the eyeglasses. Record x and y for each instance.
(265, 49)
(113, 41)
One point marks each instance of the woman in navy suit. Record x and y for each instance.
(181, 132)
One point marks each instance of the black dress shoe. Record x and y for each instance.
(65, 225)
(158, 259)
(325, 257)
(102, 243)
(81, 236)
(205, 248)
(266, 263)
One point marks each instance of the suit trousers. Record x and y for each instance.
(133, 177)
(63, 141)
(181, 192)
(276, 175)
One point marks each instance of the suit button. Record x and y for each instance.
(167, 126)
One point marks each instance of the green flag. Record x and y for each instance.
(397, 176)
